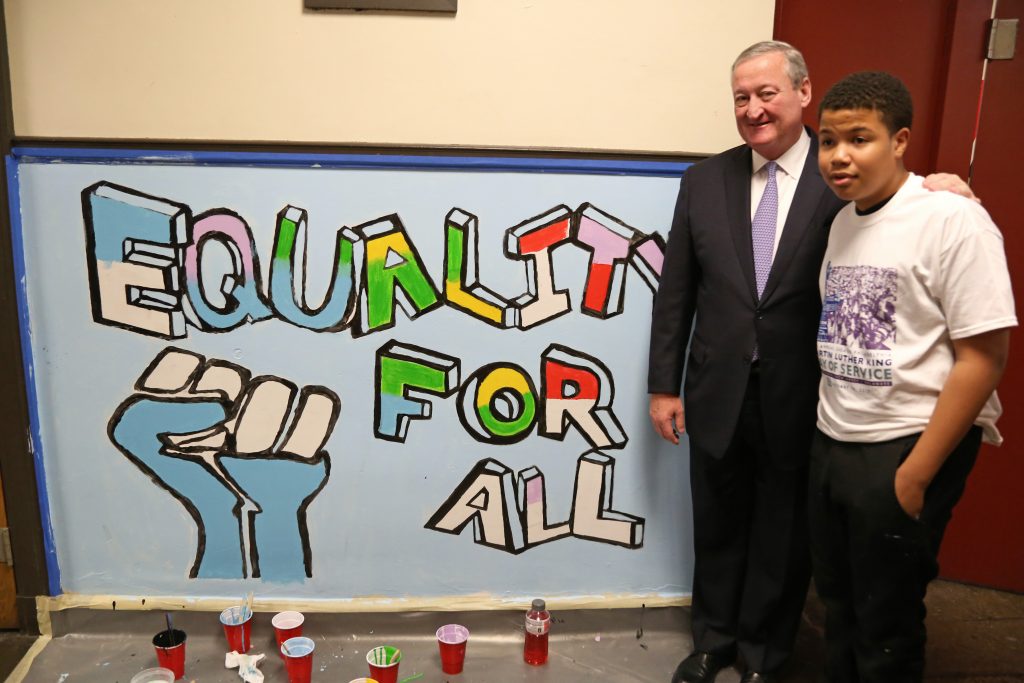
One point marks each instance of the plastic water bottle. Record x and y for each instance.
(538, 623)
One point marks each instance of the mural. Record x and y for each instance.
(478, 358)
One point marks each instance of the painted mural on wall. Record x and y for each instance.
(254, 453)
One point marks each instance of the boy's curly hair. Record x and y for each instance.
(876, 90)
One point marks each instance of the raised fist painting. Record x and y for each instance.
(244, 455)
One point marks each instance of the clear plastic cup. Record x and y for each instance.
(157, 675)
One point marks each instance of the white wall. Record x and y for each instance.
(647, 75)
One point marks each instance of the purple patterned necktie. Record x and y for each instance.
(762, 232)
(762, 228)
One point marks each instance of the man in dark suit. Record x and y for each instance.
(743, 257)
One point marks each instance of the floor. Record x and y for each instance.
(974, 635)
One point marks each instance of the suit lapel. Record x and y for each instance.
(805, 200)
(737, 199)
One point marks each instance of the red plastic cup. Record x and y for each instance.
(451, 639)
(384, 661)
(170, 651)
(237, 623)
(298, 659)
(287, 625)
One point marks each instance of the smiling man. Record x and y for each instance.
(743, 255)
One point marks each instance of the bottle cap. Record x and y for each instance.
(538, 605)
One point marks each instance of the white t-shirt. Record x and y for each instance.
(898, 285)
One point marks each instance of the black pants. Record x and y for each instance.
(752, 564)
(872, 562)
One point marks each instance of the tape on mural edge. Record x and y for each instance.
(46, 604)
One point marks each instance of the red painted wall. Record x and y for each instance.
(937, 48)
(907, 38)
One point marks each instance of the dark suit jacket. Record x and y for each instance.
(709, 274)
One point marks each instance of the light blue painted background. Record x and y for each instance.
(116, 532)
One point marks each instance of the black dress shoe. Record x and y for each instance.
(754, 677)
(700, 667)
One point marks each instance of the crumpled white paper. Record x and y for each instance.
(246, 666)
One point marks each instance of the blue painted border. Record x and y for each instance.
(86, 155)
(20, 286)
(367, 161)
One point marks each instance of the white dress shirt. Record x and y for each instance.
(791, 165)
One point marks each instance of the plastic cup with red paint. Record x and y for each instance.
(237, 621)
(170, 651)
(287, 625)
(383, 661)
(451, 639)
(298, 659)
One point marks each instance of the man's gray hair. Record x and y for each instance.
(796, 67)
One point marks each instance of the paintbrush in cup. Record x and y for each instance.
(246, 614)
(247, 611)
(170, 629)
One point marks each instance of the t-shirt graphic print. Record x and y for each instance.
(858, 324)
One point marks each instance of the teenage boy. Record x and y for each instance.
(912, 342)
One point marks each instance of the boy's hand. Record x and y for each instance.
(949, 182)
(978, 364)
(909, 493)
(666, 412)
